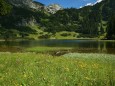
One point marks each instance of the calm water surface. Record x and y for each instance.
(83, 46)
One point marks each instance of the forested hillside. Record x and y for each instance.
(90, 21)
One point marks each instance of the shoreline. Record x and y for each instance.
(95, 39)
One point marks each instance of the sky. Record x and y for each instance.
(70, 3)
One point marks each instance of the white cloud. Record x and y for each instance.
(98, 1)
(81, 7)
(89, 4)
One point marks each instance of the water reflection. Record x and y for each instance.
(90, 46)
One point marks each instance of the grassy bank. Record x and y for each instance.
(30, 69)
(48, 49)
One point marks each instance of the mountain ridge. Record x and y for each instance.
(53, 8)
(89, 21)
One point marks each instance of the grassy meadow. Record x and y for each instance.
(73, 69)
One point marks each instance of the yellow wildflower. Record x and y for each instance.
(87, 78)
(25, 75)
(67, 69)
(95, 66)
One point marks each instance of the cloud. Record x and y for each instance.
(89, 4)
(81, 7)
(98, 1)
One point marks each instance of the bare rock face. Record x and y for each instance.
(53, 8)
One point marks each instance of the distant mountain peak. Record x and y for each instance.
(53, 8)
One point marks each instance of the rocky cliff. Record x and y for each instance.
(27, 3)
(53, 8)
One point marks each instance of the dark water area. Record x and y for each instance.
(82, 46)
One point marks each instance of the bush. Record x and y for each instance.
(44, 36)
(65, 34)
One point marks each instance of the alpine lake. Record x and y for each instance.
(77, 46)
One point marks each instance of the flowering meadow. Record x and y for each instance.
(74, 69)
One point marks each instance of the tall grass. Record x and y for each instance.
(30, 69)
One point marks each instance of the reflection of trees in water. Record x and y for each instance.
(7, 43)
(10, 46)
(102, 47)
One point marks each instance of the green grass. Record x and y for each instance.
(47, 49)
(30, 69)
(70, 35)
(58, 35)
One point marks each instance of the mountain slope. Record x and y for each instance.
(89, 20)
(28, 17)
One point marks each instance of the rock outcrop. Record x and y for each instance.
(53, 8)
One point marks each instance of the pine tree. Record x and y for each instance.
(111, 28)
(5, 8)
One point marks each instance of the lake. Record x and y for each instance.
(82, 46)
